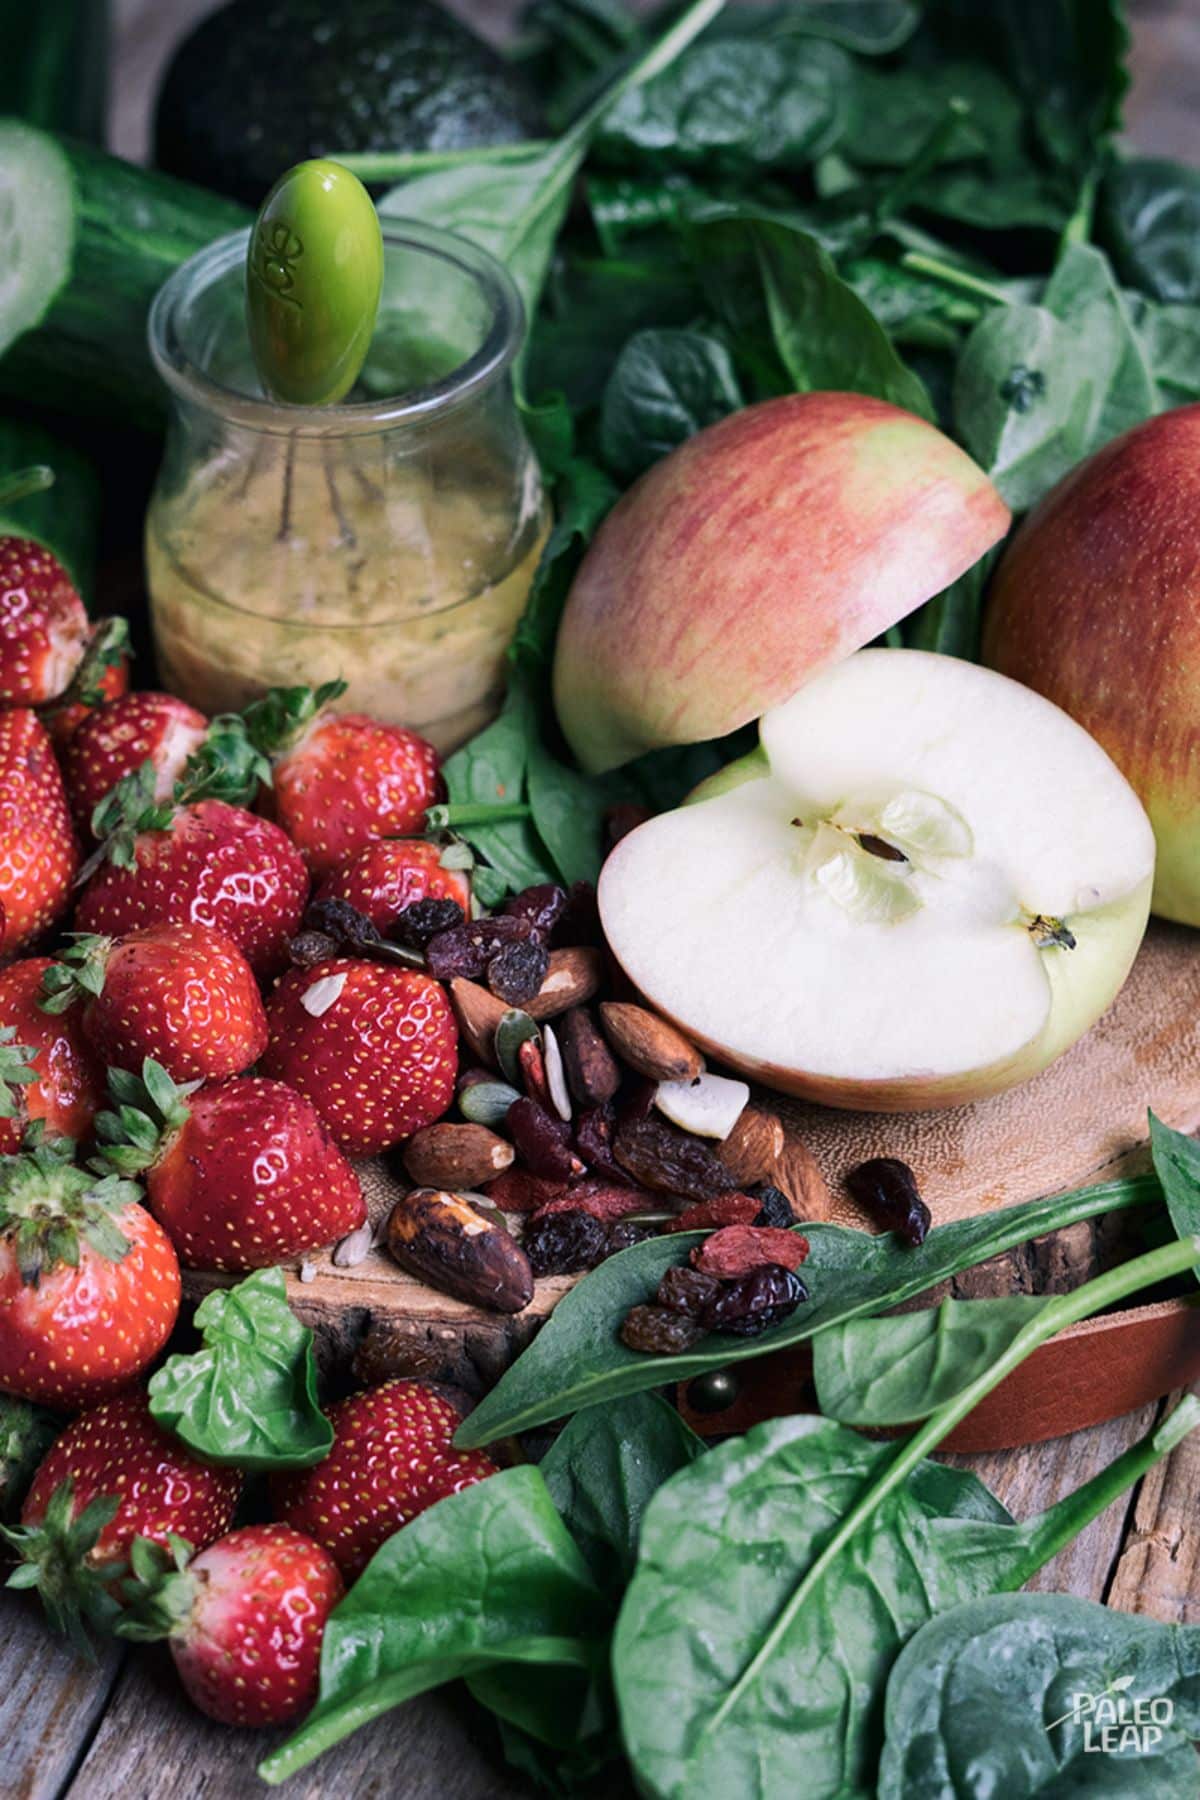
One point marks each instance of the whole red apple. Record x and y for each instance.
(1096, 604)
(768, 547)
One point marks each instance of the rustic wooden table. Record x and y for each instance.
(119, 1730)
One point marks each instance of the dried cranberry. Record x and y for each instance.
(625, 1234)
(541, 907)
(561, 1243)
(754, 1302)
(670, 1161)
(542, 1142)
(687, 1290)
(658, 1331)
(886, 1188)
(738, 1250)
(424, 919)
(517, 971)
(711, 1215)
(594, 1132)
(774, 1208)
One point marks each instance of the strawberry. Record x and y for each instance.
(241, 1174)
(43, 625)
(392, 1457)
(375, 1048)
(351, 779)
(388, 874)
(57, 1080)
(89, 1282)
(182, 994)
(102, 675)
(244, 1619)
(118, 738)
(204, 862)
(111, 1477)
(38, 858)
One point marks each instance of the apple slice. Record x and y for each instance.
(928, 885)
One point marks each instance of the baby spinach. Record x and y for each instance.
(488, 1576)
(578, 1360)
(249, 1396)
(779, 1577)
(1019, 1694)
(1177, 1165)
(1150, 213)
(666, 386)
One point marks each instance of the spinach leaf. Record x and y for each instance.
(1171, 335)
(666, 386)
(1150, 216)
(731, 106)
(1012, 1695)
(487, 1576)
(1177, 1165)
(870, 27)
(249, 1396)
(604, 1469)
(783, 302)
(489, 776)
(890, 1371)
(892, 112)
(779, 1577)
(578, 1360)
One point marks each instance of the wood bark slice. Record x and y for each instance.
(1082, 1120)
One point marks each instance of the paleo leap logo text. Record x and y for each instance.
(1111, 1722)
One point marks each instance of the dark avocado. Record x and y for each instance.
(263, 84)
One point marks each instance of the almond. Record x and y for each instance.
(798, 1175)
(573, 977)
(648, 1044)
(440, 1237)
(478, 1014)
(753, 1147)
(455, 1156)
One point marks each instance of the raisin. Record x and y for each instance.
(670, 1161)
(754, 1302)
(774, 1209)
(594, 1130)
(658, 1331)
(687, 1290)
(308, 948)
(542, 1142)
(464, 951)
(740, 1249)
(710, 1215)
(625, 1234)
(886, 1188)
(344, 923)
(517, 971)
(424, 919)
(541, 907)
(561, 1243)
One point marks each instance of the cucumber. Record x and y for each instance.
(86, 240)
(54, 70)
(65, 517)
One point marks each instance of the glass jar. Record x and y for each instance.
(390, 541)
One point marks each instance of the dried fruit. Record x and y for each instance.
(441, 1238)
(669, 1161)
(648, 1044)
(466, 950)
(560, 1243)
(455, 1156)
(573, 977)
(478, 1014)
(738, 1250)
(594, 1132)
(422, 920)
(886, 1188)
(516, 972)
(687, 1290)
(754, 1146)
(517, 1191)
(774, 1208)
(659, 1331)
(486, 1102)
(755, 1302)
(592, 1072)
(602, 1200)
(625, 1234)
(542, 1142)
(711, 1215)
(541, 907)
(708, 1105)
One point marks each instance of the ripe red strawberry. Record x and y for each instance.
(38, 857)
(205, 863)
(113, 1476)
(391, 1458)
(182, 994)
(117, 739)
(350, 779)
(43, 625)
(244, 1620)
(387, 875)
(57, 1081)
(89, 1282)
(241, 1174)
(102, 675)
(375, 1048)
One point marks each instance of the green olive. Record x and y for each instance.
(314, 271)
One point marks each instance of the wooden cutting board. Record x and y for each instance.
(1081, 1120)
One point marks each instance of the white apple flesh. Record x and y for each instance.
(926, 885)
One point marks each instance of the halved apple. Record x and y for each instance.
(925, 887)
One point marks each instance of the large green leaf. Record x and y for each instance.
(1150, 213)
